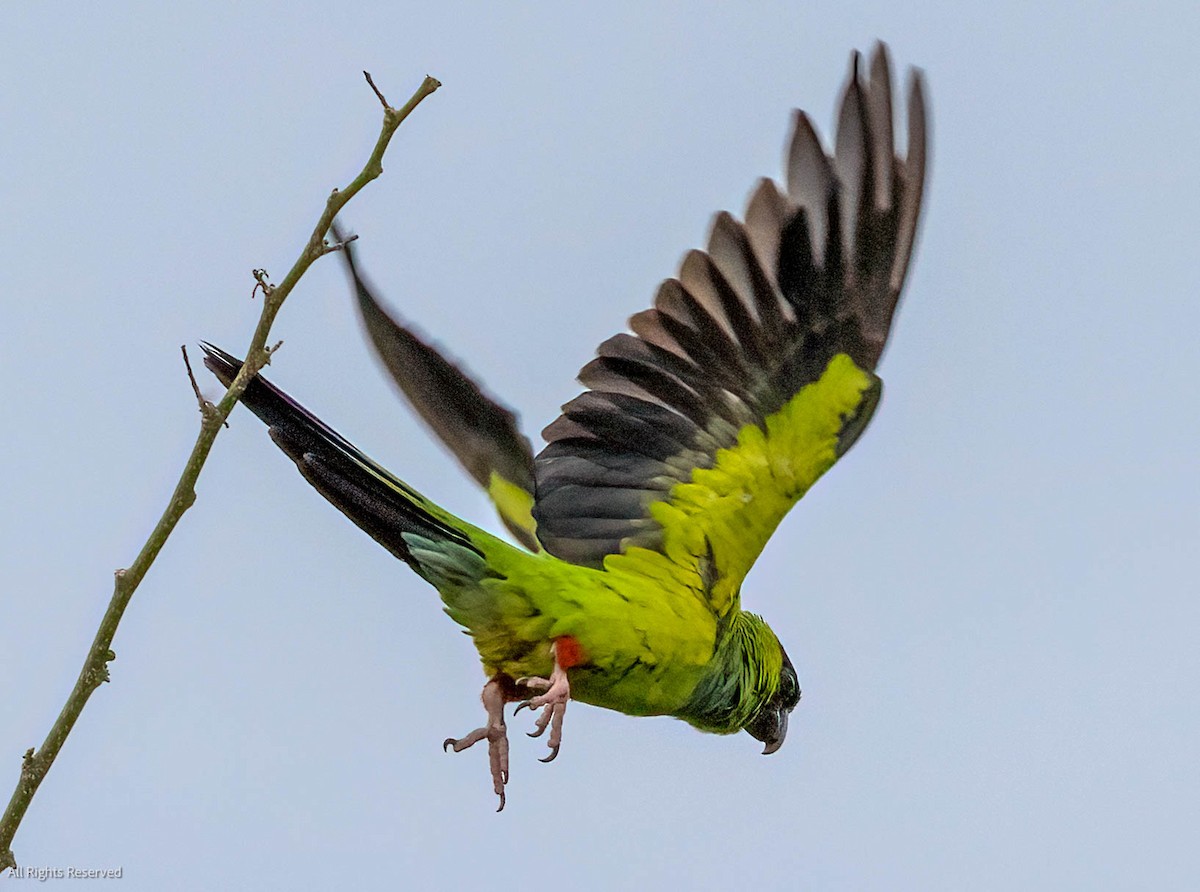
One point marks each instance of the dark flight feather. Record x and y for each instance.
(481, 433)
(336, 469)
(814, 271)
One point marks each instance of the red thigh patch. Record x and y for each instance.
(569, 652)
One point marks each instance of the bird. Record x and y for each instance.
(698, 429)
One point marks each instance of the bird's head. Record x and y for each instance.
(750, 684)
(770, 723)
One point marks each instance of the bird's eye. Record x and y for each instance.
(789, 689)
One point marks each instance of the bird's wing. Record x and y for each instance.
(482, 434)
(753, 372)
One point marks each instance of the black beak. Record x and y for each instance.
(775, 742)
(770, 726)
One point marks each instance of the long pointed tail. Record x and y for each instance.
(393, 514)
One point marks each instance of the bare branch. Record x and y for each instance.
(36, 763)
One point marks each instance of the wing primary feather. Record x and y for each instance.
(913, 180)
(800, 281)
(626, 346)
(879, 122)
(675, 300)
(766, 213)
(756, 364)
(730, 249)
(694, 345)
(648, 326)
(666, 424)
(645, 428)
(810, 181)
(635, 378)
(852, 165)
(699, 275)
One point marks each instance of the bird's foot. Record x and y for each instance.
(553, 704)
(494, 732)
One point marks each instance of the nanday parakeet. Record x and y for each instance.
(661, 483)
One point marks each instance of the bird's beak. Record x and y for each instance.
(770, 726)
(775, 741)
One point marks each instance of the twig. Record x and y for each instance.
(260, 281)
(384, 102)
(37, 763)
(195, 387)
(340, 242)
(206, 407)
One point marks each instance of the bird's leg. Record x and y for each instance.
(553, 703)
(494, 731)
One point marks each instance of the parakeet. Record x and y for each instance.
(660, 484)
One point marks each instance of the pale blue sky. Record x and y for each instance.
(992, 602)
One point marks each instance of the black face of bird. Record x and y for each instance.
(770, 723)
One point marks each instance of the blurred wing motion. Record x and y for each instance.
(753, 372)
(481, 433)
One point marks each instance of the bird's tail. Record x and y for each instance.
(430, 540)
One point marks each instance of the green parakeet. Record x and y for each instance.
(660, 483)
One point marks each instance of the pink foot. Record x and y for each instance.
(553, 704)
(494, 732)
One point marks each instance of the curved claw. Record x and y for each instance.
(494, 733)
(553, 704)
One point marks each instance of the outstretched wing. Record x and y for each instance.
(753, 372)
(482, 434)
